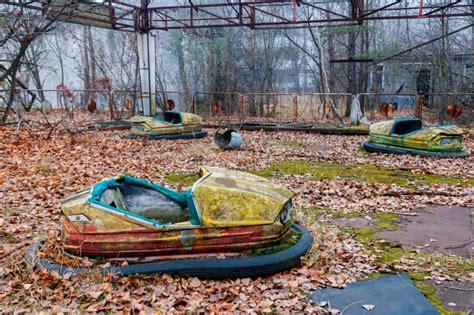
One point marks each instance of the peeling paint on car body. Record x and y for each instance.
(231, 198)
(150, 125)
(233, 211)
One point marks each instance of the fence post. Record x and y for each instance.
(419, 106)
(241, 105)
(193, 103)
(295, 107)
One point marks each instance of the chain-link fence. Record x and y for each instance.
(317, 107)
(455, 108)
(120, 104)
(217, 105)
(389, 105)
(174, 100)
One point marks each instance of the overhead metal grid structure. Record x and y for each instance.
(146, 15)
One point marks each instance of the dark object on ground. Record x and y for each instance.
(229, 139)
(114, 124)
(393, 295)
(241, 267)
(298, 127)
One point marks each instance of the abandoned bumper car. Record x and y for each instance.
(173, 125)
(407, 136)
(230, 224)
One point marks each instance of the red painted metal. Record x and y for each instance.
(156, 242)
(190, 16)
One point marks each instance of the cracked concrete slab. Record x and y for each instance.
(436, 229)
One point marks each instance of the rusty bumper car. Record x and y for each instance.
(173, 125)
(407, 136)
(217, 229)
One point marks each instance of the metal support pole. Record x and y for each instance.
(419, 106)
(241, 106)
(295, 108)
(146, 56)
(193, 104)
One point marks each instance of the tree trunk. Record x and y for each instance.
(86, 69)
(182, 67)
(352, 86)
(323, 74)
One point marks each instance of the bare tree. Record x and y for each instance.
(21, 27)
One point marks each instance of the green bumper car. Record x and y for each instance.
(407, 136)
(173, 125)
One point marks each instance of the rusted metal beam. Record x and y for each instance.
(184, 16)
(271, 14)
(443, 7)
(288, 128)
(382, 8)
(325, 10)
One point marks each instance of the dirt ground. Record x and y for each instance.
(37, 173)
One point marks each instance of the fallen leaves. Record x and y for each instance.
(36, 174)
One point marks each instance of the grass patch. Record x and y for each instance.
(389, 254)
(346, 215)
(364, 235)
(183, 179)
(386, 221)
(376, 275)
(429, 292)
(13, 210)
(320, 211)
(364, 172)
(418, 276)
(356, 128)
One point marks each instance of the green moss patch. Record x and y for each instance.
(15, 210)
(389, 254)
(385, 221)
(363, 235)
(418, 276)
(429, 292)
(364, 172)
(183, 179)
(376, 275)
